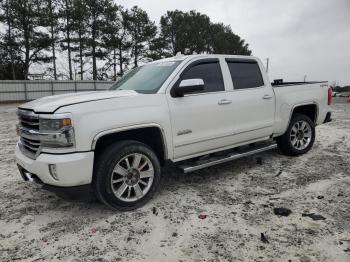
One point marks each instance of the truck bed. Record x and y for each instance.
(296, 94)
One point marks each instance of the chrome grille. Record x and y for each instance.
(28, 119)
(28, 129)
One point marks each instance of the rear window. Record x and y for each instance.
(245, 74)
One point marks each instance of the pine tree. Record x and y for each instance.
(8, 43)
(142, 31)
(110, 29)
(52, 23)
(171, 28)
(96, 11)
(99, 31)
(11, 67)
(193, 32)
(79, 23)
(66, 17)
(185, 32)
(223, 41)
(196, 32)
(27, 19)
(158, 49)
(124, 42)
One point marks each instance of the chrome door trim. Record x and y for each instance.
(218, 137)
(224, 102)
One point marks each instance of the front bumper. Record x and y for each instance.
(72, 170)
(83, 192)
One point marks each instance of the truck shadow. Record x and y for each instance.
(173, 179)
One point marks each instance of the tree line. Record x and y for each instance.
(100, 39)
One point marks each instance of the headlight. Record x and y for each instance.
(53, 125)
(56, 131)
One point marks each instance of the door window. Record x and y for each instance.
(211, 74)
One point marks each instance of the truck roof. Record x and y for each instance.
(181, 57)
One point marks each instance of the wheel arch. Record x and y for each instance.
(150, 134)
(310, 109)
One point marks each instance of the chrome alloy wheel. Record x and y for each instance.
(300, 135)
(132, 177)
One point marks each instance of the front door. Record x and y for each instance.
(201, 120)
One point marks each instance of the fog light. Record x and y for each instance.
(53, 171)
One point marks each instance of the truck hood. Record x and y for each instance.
(50, 104)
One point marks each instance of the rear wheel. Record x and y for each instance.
(127, 175)
(299, 137)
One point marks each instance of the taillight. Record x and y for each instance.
(330, 96)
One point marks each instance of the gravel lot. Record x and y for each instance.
(238, 199)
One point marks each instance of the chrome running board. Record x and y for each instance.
(232, 155)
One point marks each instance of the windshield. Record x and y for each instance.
(147, 78)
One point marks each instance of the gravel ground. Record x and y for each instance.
(238, 198)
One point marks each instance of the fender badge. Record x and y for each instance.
(184, 132)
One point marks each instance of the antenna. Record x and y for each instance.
(267, 65)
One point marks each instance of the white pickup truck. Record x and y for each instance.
(193, 111)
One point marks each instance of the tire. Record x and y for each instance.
(293, 143)
(122, 170)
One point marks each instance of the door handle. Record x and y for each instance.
(224, 102)
(267, 96)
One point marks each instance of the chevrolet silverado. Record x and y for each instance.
(192, 111)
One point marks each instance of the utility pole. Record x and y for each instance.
(304, 78)
(267, 65)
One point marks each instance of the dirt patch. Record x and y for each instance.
(238, 198)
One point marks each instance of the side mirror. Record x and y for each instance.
(189, 86)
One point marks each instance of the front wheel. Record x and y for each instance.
(299, 137)
(127, 175)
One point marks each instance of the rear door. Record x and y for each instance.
(201, 120)
(253, 100)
